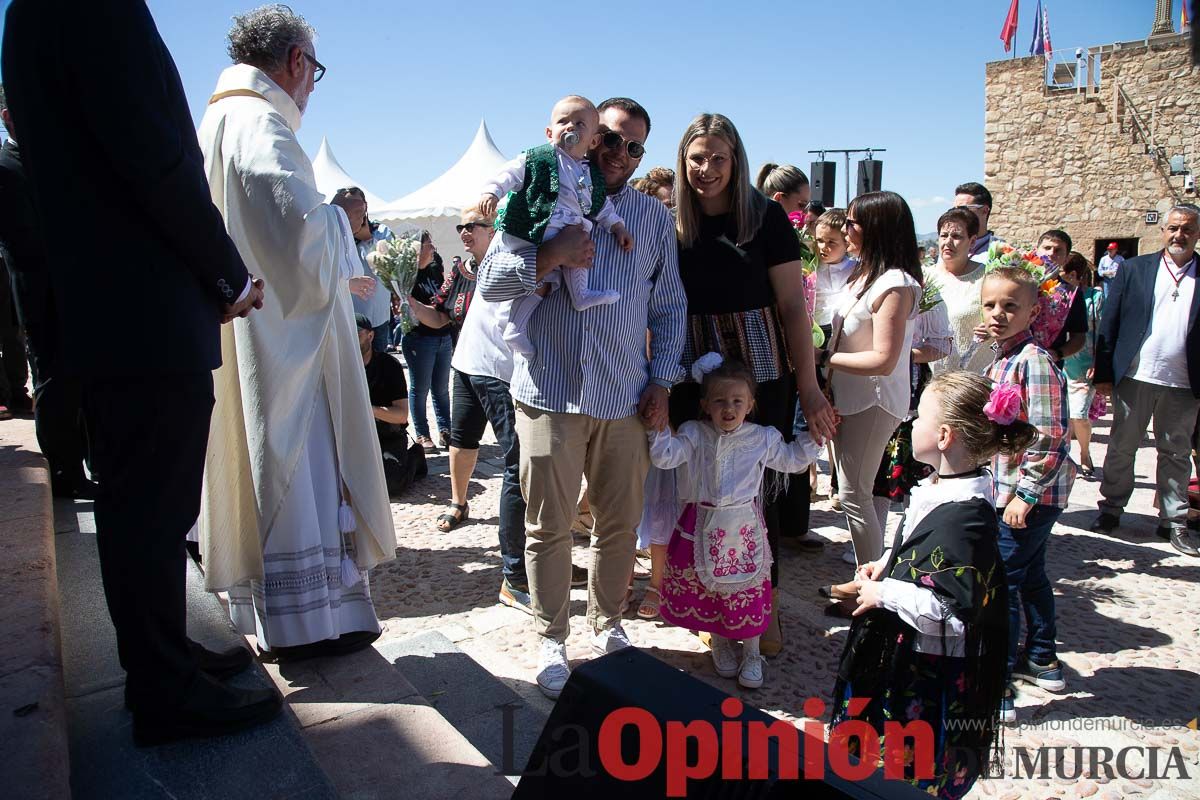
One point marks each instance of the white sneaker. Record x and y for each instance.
(610, 641)
(848, 556)
(751, 673)
(552, 668)
(725, 660)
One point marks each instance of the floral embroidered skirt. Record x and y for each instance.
(933, 693)
(686, 602)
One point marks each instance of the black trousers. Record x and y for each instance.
(775, 405)
(14, 367)
(150, 436)
(58, 421)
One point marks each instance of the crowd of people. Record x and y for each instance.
(661, 363)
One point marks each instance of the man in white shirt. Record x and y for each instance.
(977, 198)
(1110, 262)
(1148, 361)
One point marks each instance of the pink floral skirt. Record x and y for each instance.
(686, 602)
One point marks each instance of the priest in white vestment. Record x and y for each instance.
(293, 438)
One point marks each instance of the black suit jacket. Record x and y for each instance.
(141, 265)
(24, 254)
(1125, 324)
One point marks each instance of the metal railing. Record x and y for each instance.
(1077, 68)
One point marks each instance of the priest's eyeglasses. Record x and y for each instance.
(318, 68)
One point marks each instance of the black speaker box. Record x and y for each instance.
(823, 174)
(870, 176)
(567, 762)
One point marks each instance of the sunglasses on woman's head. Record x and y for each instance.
(612, 140)
(471, 226)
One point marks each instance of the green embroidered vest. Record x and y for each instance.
(528, 210)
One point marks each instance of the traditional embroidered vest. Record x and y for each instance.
(529, 208)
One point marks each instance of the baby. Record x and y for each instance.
(550, 187)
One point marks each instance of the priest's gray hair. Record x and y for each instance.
(263, 37)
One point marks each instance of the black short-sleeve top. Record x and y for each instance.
(731, 303)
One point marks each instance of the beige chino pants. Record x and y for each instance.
(557, 450)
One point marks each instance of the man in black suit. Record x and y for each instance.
(58, 414)
(1148, 361)
(140, 290)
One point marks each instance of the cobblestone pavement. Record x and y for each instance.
(1127, 630)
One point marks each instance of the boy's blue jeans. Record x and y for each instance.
(1024, 554)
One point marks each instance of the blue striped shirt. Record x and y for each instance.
(594, 362)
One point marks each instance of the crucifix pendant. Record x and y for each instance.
(1175, 295)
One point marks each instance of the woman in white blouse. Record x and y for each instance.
(959, 280)
(867, 359)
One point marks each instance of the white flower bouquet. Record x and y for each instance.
(396, 263)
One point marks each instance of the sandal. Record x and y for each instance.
(649, 608)
(641, 565)
(626, 601)
(448, 522)
(427, 444)
(1087, 470)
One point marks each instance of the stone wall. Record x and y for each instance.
(1056, 158)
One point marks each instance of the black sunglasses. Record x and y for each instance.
(320, 68)
(612, 140)
(471, 226)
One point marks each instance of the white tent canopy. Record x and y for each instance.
(331, 177)
(436, 206)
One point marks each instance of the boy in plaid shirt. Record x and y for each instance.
(1032, 488)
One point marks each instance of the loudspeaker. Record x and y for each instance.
(577, 754)
(870, 176)
(824, 174)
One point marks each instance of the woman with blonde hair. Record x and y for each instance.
(739, 261)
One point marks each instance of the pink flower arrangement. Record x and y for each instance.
(1004, 404)
(798, 219)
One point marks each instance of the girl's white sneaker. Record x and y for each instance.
(751, 673)
(724, 658)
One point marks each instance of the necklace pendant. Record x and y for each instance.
(1175, 295)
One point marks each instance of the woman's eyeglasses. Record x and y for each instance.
(852, 223)
(612, 140)
(471, 226)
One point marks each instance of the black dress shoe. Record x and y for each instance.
(208, 709)
(1183, 541)
(223, 664)
(343, 645)
(78, 489)
(1105, 523)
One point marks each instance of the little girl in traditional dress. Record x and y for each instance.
(930, 636)
(718, 576)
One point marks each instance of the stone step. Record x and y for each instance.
(271, 760)
(410, 713)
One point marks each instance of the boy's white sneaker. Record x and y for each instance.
(553, 670)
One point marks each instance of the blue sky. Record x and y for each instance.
(408, 82)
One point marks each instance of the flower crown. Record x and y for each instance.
(1004, 404)
(1002, 255)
